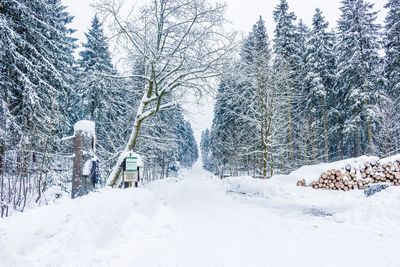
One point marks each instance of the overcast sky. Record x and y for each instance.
(242, 14)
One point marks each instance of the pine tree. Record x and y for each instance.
(226, 126)
(392, 48)
(320, 78)
(95, 61)
(205, 147)
(34, 74)
(388, 122)
(358, 75)
(35, 68)
(285, 62)
(104, 98)
(167, 142)
(256, 56)
(188, 152)
(66, 62)
(301, 133)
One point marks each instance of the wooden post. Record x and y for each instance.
(83, 144)
(138, 175)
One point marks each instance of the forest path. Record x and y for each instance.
(190, 221)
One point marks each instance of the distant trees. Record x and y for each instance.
(205, 150)
(333, 95)
(167, 142)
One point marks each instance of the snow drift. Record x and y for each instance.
(200, 220)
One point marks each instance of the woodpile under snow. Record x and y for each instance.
(350, 178)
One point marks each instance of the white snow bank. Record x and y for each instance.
(282, 193)
(86, 126)
(50, 235)
(198, 220)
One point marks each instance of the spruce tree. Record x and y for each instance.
(358, 75)
(320, 78)
(188, 152)
(301, 134)
(226, 127)
(256, 56)
(392, 48)
(285, 51)
(205, 147)
(104, 98)
(35, 69)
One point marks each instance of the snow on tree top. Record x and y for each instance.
(85, 126)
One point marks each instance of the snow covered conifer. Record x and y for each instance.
(392, 77)
(358, 74)
(285, 51)
(320, 78)
(258, 72)
(188, 153)
(35, 69)
(392, 48)
(205, 147)
(95, 63)
(103, 98)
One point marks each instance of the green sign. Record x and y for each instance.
(131, 164)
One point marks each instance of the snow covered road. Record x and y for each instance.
(202, 221)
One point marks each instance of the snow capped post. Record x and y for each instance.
(84, 151)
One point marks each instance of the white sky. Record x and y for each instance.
(242, 15)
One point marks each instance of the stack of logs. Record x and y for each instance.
(350, 178)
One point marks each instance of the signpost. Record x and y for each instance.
(131, 171)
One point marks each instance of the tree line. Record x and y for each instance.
(45, 90)
(313, 94)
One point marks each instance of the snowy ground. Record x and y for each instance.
(202, 221)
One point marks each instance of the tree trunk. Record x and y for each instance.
(116, 172)
(358, 142)
(369, 136)
(265, 148)
(2, 158)
(289, 122)
(326, 132)
(272, 164)
(313, 142)
(81, 185)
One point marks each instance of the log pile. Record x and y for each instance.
(350, 178)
